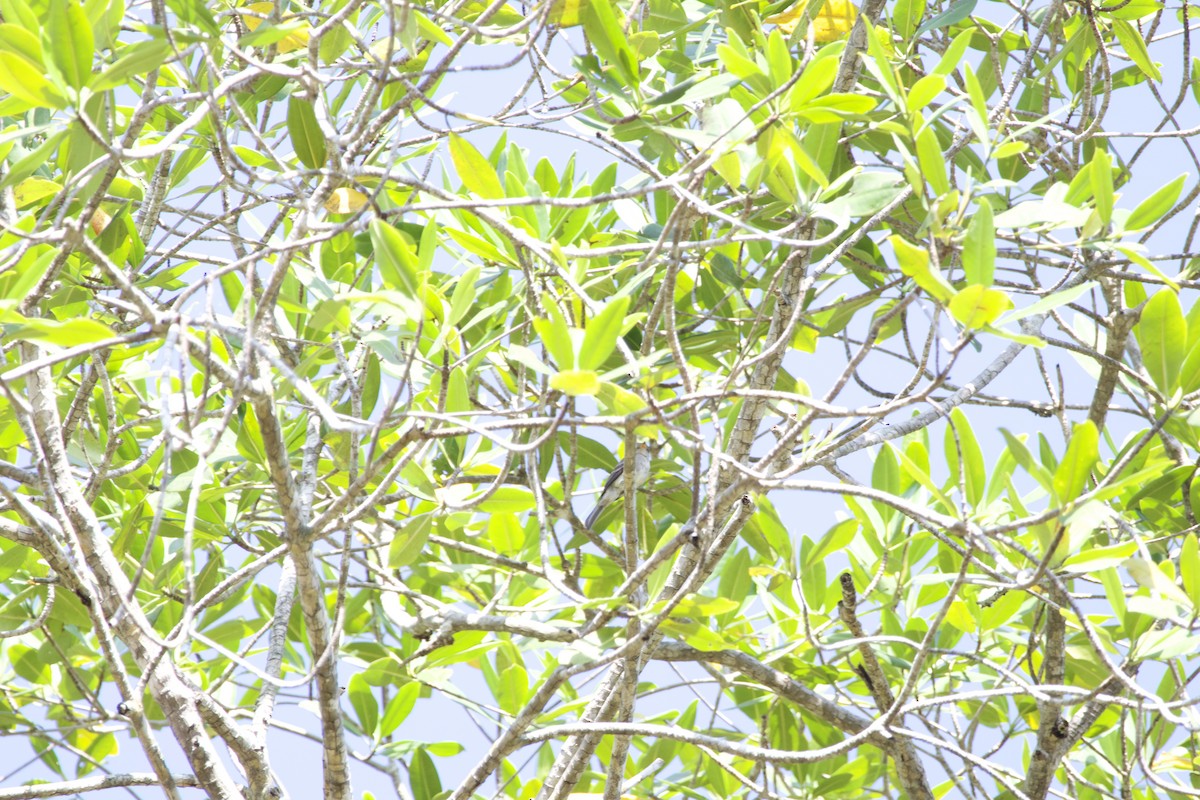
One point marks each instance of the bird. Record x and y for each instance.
(614, 484)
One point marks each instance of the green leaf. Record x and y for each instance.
(1134, 256)
(1048, 303)
(1151, 576)
(19, 12)
(957, 12)
(925, 90)
(366, 707)
(606, 34)
(1135, 47)
(914, 262)
(464, 295)
(1164, 645)
(1114, 592)
(555, 335)
(399, 707)
(136, 59)
(396, 259)
(779, 59)
(1009, 149)
(1189, 373)
(1100, 169)
(475, 171)
(508, 499)
(307, 138)
(1131, 11)
(1098, 558)
(954, 53)
(870, 192)
(1151, 210)
(600, 335)
(932, 161)
(905, 16)
(725, 271)
(70, 42)
(814, 81)
(920, 474)
(60, 334)
(19, 40)
(885, 475)
(15, 284)
(1196, 78)
(835, 108)
(739, 63)
(960, 436)
(195, 13)
(1189, 567)
(617, 401)
(523, 355)
(1071, 476)
(1162, 334)
(977, 115)
(979, 246)
(505, 533)
(27, 81)
(409, 541)
(695, 89)
(423, 776)
(976, 307)
(1046, 214)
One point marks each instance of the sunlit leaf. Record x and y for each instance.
(976, 306)
(1162, 334)
(69, 42)
(307, 137)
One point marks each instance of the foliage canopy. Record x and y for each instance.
(310, 367)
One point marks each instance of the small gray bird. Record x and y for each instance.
(614, 485)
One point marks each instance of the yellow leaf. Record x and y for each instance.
(31, 190)
(831, 23)
(345, 200)
(977, 306)
(575, 382)
(260, 12)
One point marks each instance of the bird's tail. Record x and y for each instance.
(595, 515)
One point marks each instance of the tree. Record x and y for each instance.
(310, 371)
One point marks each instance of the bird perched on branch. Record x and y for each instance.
(614, 485)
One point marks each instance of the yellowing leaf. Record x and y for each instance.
(575, 382)
(345, 200)
(31, 190)
(977, 306)
(260, 12)
(832, 21)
